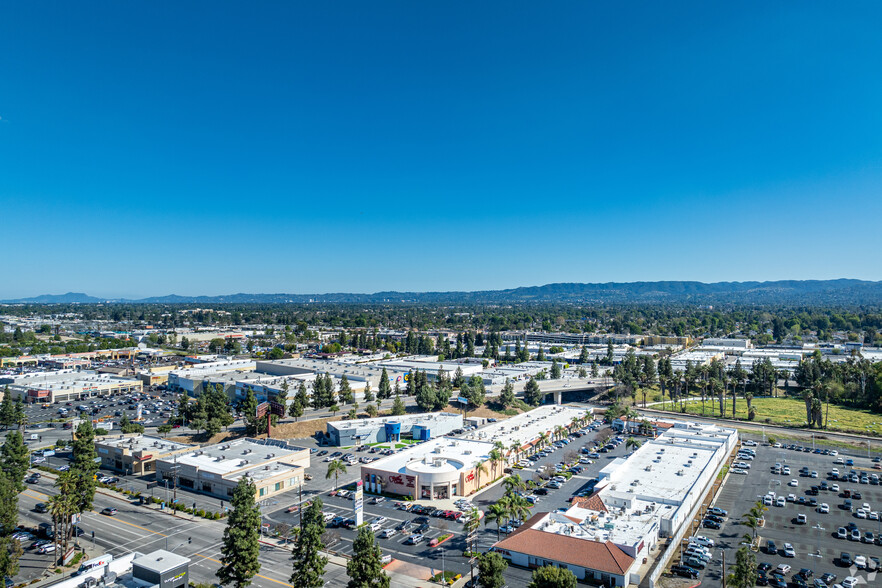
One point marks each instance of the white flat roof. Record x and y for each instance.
(414, 419)
(526, 427)
(224, 458)
(463, 453)
(142, 443)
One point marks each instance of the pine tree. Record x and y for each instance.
(594, 370)
(248, 408)
(507, 397)
(309, 564)
(532, 393)
(14, 459)
(19, 417)
(8, 505)
(458, 378)
(10, 551)
(541, 355)
(302, 396)
(385, 390)
(7, 409)
(398, 407)
(345, 394)
(84, 466)
(609, 352)
(368, 394)
(583, 356)
(365, 569)
(555, 370)
(241, 548)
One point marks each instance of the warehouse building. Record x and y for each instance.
(337, 369)
(67, 385)
(190, 379)
(421, 427)
(438, 469)
(273, 466)
(136, 454)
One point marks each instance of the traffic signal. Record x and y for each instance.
(189, 540)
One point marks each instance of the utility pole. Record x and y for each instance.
(724, 568)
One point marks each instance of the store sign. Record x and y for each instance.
(358, 505)
(470, 477)
(396, 480)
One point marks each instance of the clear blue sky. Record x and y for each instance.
(204, 148)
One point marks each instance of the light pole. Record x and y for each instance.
(443, 577)
(818, 544)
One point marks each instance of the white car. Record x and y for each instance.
(780, 501)
(824, 508)
(376, 526)
(793, 483)
(791, 498)
(746, 456)
(834, 488)
(849, 582)
(380, 520)
(839, 461)
(741, 464)
(777, 446)
(390, 532)
(785, 470)
(860, 561)
(861, 513)
(739, 471)
(788, 551)
(702, 540)
(801, 519)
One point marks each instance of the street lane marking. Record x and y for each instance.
(257, 575)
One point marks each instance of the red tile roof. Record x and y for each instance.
(593, 555)
(592, 502)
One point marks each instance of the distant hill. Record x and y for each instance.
(809, 292)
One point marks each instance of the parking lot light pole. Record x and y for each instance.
(818, 544)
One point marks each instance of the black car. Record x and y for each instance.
(421, 529)
(806, 573)
(828, 578)
(713, 518)
(762, 579)
(421, 520)
(684, 571)
(771, 548)
(764, 568)
(708, 524)
(402, 526)
(845, 560)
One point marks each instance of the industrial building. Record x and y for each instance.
(437, 469)
(136, 454)
(273, 466)
(190, 379)
(608, 537)
(421, 427)
(337, 369)
(67, 385)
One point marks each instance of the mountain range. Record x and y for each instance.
(809, 292)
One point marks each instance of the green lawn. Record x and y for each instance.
(791, 412)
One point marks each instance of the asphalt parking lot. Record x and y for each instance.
(815, 542)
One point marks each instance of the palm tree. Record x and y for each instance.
(513, 483)
(479, 467)
(515, 448)
(543, 439)
(495, 456)
(632, 442)
(560, 432)
(519, 507)
(335, 468)
(495, 513)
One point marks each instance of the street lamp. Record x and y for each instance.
(443, 576)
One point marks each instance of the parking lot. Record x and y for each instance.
(109, 408)
(814, 542)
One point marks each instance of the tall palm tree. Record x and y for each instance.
(479, 467)
(495, 456)
(519, 507)
(515, 448)
(543, 439)
(632, 443)
(335, 468)
(495, 513)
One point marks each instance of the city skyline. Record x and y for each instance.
(208, 149)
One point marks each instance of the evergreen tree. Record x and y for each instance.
(583, 356)
(368, 394)
(474, 390)
(425, 398)
(609, 352)
(532, 393)
(541, 355)
(385, 390)
(552, 577)
(309, 564)
(10, 552)
(507, 397)
(365, 569)
(248, 407)
(398, 407)
(743, 573)
(14, 459)
(458, 378)
(8, 505)
(491, 565)
(302, 397)
(594, 371)
(555, 370)
(7, 409)
(84, 467)
(295, 409)
(19, 417)
(240, 548)
(345, 394)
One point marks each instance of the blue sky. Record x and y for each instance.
(206, 148)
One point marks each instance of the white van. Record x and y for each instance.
(91, 564)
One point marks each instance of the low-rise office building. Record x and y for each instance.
(190, 379)
(421, 427)
(67, 385)
(441, 468)
(273, 466)
(136, 454)
(337, 369)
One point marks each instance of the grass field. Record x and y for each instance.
(791, 412)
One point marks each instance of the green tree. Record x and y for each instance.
(345, 391)
(164, 429)
(84, 466)
(368, 394)
(491, 566)
(19, 417)
(14, 460)
(248, 407)
(507, 397)
(398, 407)
(10, 552)
(743, 572)
(7, 409)
(532, 394)
(365, 569)
(335, 468)
(552, 577)
(309, 564)
(385, 389)
(241, 547)
(8, 505)
(555, 370)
